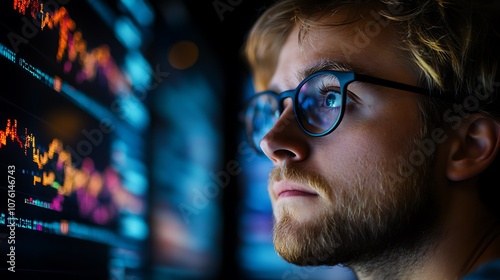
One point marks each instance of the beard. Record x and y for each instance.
(367, 224)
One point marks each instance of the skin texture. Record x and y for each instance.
(360, 196)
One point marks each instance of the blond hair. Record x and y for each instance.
(452, 43)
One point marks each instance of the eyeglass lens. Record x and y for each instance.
(317, 104)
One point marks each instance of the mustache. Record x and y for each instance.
(301, 176)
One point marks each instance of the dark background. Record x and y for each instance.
(225, 38)
(221, 35)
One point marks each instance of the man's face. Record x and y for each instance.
(356, 193)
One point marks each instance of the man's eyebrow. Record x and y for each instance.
(328, 64)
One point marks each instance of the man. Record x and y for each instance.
(382, 123)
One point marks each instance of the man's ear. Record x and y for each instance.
(473, 147)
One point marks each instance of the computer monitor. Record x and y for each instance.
(74, 194)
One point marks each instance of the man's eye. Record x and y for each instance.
(333, 99)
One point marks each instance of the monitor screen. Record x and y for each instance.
(74, 193)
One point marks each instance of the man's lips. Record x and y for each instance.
(289, 193)
(283, 189)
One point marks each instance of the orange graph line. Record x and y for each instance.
(10, 132)
(86, 181)
(72, 44)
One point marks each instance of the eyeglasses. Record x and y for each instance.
(319, 103)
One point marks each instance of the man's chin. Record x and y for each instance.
(299, 237)
(295, 249)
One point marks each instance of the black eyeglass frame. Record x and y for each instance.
(344, 78)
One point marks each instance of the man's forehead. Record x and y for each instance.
(332, 47)
(297, 61)
(294, 77)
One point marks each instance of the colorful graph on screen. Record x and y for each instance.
(90, 185)
(72, 47)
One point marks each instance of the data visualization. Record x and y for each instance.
(74, 191)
